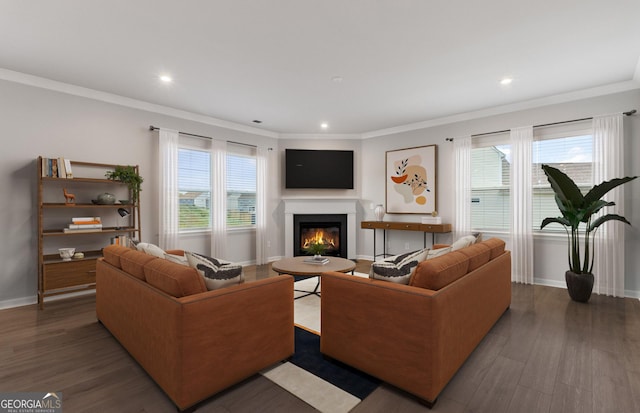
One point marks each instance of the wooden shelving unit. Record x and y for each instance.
(56, 276)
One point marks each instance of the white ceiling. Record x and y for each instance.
(401, 61)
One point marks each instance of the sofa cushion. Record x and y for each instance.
(496, 245)
(174, 279)
(215, 272)
(134, 261)
(112, 254)
(479, 254)
(441, 271)
(399, 268)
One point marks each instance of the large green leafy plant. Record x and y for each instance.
(129, 176)
(577, 208)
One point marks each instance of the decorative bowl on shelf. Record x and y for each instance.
(124, 201)
(106, 199)
(66, 253)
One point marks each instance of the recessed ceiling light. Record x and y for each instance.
(506, 81)
(166, 78)
(324, 125)
(337, 79)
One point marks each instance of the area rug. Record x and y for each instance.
(327, 385)
(306, 311)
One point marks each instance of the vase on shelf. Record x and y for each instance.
(379, 212)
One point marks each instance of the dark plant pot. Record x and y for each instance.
(579, 286)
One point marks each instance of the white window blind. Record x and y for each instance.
(241, 187)
(567, 147)
(194, 188)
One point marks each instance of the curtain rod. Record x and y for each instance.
(152, 128)
(628, 113)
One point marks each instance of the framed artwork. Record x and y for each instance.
(411, 180)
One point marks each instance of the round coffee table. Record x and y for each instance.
(298, 267)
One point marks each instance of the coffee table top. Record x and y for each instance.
(297, 266)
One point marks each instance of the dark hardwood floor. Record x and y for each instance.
(546, 354)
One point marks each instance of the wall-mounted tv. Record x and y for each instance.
(328, 169)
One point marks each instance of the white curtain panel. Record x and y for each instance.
(261, 205)
(521, 210)
(169, 219)
(462, 165)
(608, 163)
(218, 198)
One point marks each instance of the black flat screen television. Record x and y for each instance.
(322, 169)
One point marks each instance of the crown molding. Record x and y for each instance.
(514, 107)
(323, 136)
(43, 83)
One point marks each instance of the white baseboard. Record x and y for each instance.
(18, 302)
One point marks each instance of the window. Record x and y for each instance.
(194, 189)
(569, 150)
(241, 190)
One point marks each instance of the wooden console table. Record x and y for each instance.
(403, 226)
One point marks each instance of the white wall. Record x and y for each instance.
(39, 121)
(43, 122)
(550, 252)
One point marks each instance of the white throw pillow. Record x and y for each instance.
(150, 249)
(438, 252)
(178, 259)
(463, 242)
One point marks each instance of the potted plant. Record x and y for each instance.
(577, 209)
(128, 175)
(315, 248)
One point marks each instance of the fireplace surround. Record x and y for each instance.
(327, 229)
(298, 206)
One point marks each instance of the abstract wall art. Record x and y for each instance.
(411, 180)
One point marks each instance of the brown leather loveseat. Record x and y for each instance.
(417, 336)
(192, 342)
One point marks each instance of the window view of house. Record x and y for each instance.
(490, 193)
(241, 190)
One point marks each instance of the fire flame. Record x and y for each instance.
(319, 238)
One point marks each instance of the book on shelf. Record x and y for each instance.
(67, 167)
(73, 231)
(62, 171)
(86, 226)
(316, 260)
(86, 220)
(120, 240)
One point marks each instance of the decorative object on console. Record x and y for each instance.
(379, 212)
(129, 176)
(581, 223)
(69, 199)
(411, 180)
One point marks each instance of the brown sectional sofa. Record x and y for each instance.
(417, 336)
(192, 342)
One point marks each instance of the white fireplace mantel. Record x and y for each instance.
(294, 206)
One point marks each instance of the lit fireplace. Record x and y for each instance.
(329, 237)
(327, 229)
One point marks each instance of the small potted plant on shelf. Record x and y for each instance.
(128, 175)
(580, 209)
